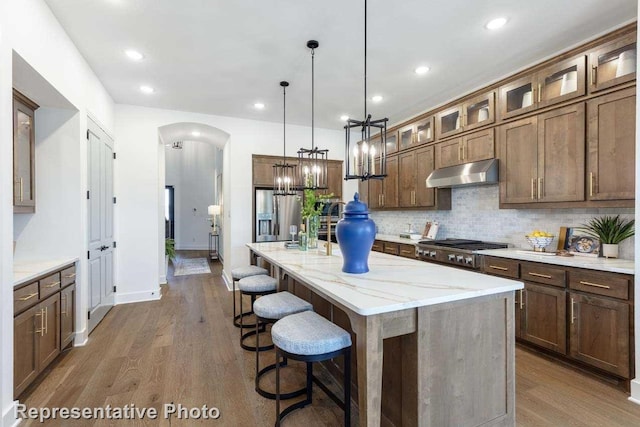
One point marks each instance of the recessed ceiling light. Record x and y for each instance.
(195, 133)
(134, 55)
(344, 118)
(494, 24)
(376, 98)
(147, 89)
(258, 106)
(422, 69)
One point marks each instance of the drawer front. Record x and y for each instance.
(49, 285)
(25, 297)
(378, 246)
(594, 282)
(68, 276)
(543, 274)
(391, 248)
(501, 267)
(408, 251)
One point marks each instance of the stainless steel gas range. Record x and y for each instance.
(456, 252)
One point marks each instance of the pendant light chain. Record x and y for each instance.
(365, 59)
(313, 91)
(284, 121)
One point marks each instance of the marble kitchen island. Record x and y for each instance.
(456, 366)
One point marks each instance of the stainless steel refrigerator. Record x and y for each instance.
(274, 215)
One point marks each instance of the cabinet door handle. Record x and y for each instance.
(464, 152)
(539, 92)
(596, 285)
(496, 267)
(590, 183)
(540, 188)
(52, 285)
(594, 74)
(533, 188)
(21, 190)
(46, 320)
(521, 299)
(460, 153)
(544, 276)
(40, 314)
(63, 308)
(382, 199)
(573, 317)
(28, 297)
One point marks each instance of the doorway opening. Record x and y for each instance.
(169, 212)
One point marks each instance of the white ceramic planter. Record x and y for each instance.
(609, 250)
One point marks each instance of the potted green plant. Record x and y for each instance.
(310, 213)
(611, 230)
(169, 249)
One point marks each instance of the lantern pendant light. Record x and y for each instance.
(366, 159)
(312, 164)
(284, 173)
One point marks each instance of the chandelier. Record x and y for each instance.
(284, 173)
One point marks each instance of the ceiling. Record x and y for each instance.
(220, 57)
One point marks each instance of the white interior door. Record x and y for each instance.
(101, 239)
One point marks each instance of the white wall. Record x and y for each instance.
(140, 160)
(29, 28)
(192, 172)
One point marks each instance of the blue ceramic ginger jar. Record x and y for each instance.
(355, 233)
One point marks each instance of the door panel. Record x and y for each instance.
(101, 236)
(407, 179)
(425, 164)
(518, 161)
(544, 321)
(561, 154)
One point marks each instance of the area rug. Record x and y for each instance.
(187, 266)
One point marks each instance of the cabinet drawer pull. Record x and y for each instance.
(573, 303)
(496, 267)
(70, 276)
(28, 297)
(591, 184)
(582, 282)
(406, 252)
(52, 285)
(544, 276)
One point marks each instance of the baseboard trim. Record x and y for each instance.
(9, 416)
(635, 391)
(192, 248)
(143, 296)
(81, 338)
(163, 280)
(227, 281)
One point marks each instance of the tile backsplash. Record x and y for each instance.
(474, 214)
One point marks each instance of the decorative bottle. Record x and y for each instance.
(355, 233)
(302, 238)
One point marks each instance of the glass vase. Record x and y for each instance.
(313, 222)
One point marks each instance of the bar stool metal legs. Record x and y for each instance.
(259, 326)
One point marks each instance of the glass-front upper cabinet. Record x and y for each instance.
(392, 142)
(479, 111)
(407, 136)
(613, 63)
(449, 122)
(562, 81)
(556, 83)
(24, 200)
(424, 130)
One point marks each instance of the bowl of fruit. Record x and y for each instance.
(539, 240)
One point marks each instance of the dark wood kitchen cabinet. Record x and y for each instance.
(469, 148)
(335, 178)
(542, 157)
(613, 63)
(383, 193)
(44, 324)
(611, 142)
(580, 315)
(24, 153)
(599, 333)
(413, 169)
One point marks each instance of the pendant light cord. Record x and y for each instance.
(284, 124)
(312, 96)
(365, 59)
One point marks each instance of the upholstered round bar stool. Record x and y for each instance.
(237, 274)
(269, 309)
(255, 286)
(309, 337)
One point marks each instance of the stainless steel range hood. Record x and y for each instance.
(475, 173)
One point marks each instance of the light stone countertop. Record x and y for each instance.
(395, 238)
(393, 283)
(25, 271)
(601, 264)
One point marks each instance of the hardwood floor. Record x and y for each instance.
(184, 349)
